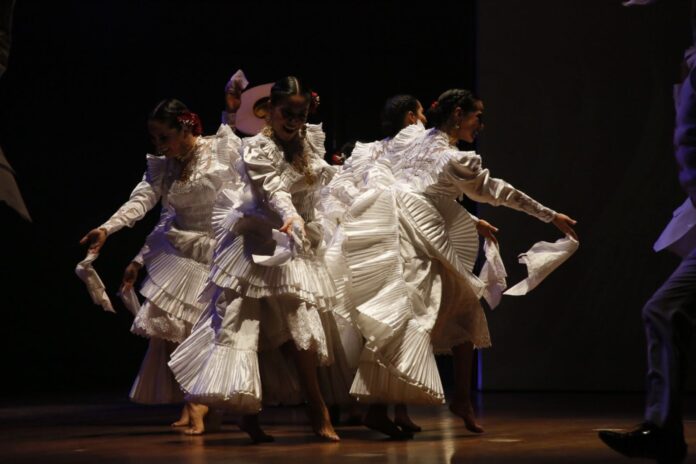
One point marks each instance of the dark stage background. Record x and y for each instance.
(73, 104)
(580, 116)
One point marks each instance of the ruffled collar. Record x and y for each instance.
(314, 142)
(441, 138)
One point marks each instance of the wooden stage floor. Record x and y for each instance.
(520, 428)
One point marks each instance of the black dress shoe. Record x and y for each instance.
(648, 441)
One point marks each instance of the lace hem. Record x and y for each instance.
(152, 322)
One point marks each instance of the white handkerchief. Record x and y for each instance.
(493, 274)
(86, 272)
(239, 79)
(541, 260)
(281, 254)
(130, 300)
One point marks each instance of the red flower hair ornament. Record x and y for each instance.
(191, 121)
(314, 103)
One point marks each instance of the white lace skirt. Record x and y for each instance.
(231, 359)
(178, 266)
(153, 322)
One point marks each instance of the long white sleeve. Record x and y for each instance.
(465, 174)
(142, 199)
(268, 179)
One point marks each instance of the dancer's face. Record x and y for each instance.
(288, 117)
(168, 141)
(413, 118)
(470, 123)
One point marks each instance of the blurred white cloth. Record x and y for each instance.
(541, 260)
(238, 81)
(493, 274)
(680, 234)
(9, 191)
(130, 300)
(638, 2)
(86, 272)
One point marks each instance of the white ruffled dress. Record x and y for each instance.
(336, 200)
(231, 358)
(410, 249)
(177, 254)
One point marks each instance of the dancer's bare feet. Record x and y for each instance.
(402, 419)
(377, 419)
(306, 363)
(184, 420)
(321, 422)
(466, 412)
(197, 413)
(250, 425)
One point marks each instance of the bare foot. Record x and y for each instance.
(466, 412)
(197, 413)
(250, 425)
(321, 423)
(376, 419)
(402, 419)
(184, 420)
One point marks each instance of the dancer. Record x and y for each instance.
(399, 112)
(265, 301)
(418, 296)
(185, 178)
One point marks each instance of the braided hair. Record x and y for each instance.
(441, 110)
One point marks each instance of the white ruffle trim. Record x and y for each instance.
(377, 286)
(230, 377)
(174, 282)
(449, 231)
(157, 167)
(233, 351)
(303, 277)
(401, 348)
(403, 372)
(152, 322)
(214, 374)
(345, 186)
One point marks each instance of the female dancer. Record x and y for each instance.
(399, 112)
(418, 295)
(261, 303)
(185, 177)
